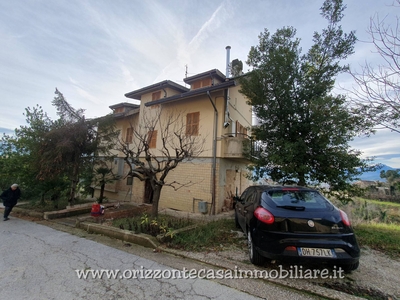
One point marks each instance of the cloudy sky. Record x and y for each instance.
(96, 51)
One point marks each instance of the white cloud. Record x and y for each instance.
(383, 146)
(96, 51)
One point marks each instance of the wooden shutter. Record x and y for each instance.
(129, 135)
(152, 139)
(192, 123)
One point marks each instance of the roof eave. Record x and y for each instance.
(193, 93)
(124, 104)
(137, 94)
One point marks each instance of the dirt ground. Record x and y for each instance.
(378, 272)
(378, 276)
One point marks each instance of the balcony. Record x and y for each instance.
(241, 147)
(234, 147)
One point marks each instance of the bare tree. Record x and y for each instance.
(378, 88)
(150, 162)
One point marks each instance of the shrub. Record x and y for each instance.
(152, 226)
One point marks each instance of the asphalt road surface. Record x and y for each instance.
(39, 262)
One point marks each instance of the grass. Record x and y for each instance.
(212, 236)
(363, 211)
(380, 236)
(384, 204)
(376, 224)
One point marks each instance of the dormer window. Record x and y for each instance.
(121, 109)
(201, 83)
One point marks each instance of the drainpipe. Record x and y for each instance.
(214, 161)
(228, 120)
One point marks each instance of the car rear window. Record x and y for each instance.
(293, 198)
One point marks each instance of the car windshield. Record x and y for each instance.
(297, 199)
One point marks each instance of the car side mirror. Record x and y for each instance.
(236, 199)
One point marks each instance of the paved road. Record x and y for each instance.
(39, 262)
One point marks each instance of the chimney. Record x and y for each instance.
(228, 49)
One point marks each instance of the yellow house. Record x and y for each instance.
(212, 109)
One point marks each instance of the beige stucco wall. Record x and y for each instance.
(237, 107)
(195, 178)
(198, 174)
(199, 104)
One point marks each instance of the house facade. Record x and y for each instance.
(210, 108)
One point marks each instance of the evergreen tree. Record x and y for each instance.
(19, 155)
(303, 128)
(74, 145)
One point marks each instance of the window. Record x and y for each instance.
(241, 131)
(121, 164)
(300, 199)
(248, 196)
(192, 123)
(152, 139)
(156, 96)
(129, 135)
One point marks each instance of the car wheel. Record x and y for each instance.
(349, 268)
(254, 256)
(237, 221)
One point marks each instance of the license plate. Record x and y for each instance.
(316, 252)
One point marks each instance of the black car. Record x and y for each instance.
(295, 224)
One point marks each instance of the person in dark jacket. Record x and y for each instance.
(10, 198)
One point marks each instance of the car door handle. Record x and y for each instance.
(245, 211)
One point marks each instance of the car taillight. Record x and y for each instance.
(345, 218)
(264, 215)
(290, 248)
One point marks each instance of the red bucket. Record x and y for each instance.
(97, 210)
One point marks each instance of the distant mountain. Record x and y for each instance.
(375, 175)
